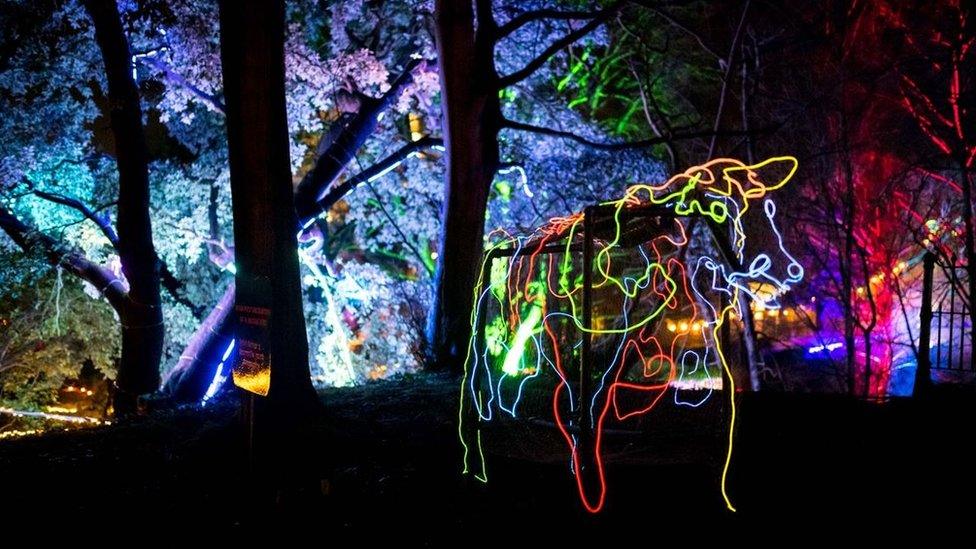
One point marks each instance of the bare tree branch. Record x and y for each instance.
(680, 26)
(75, 204)
(342, 142)
(339, 191)
(645, 104)
(169, 281)
(511, 124)
(558, 45)
(729, 65)
(525, 18)
(29, 238)
(396, 227)
(178, 79)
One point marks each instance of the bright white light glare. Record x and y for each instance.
(228, 351)
(45, 415)
(828, 347)
(524, 178)
(219, 377)
(385, 171)
(332, 314)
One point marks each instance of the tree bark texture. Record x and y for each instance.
(472, 119)
(252, 54)
(142, 319)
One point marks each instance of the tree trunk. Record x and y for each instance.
(191, 377)
(753, 358)
(195, 371)
(847, 273)
(111, 287)
(970, 238)
(268, 281)
(142, 319)
(472, 119)
(866, 380)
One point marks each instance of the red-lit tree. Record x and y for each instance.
(859, 216)
(935, 60)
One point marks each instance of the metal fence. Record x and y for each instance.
(945, 337)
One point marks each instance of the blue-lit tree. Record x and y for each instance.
(364, 121)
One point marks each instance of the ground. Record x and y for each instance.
(385, 461)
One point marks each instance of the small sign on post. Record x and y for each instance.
(252, 370)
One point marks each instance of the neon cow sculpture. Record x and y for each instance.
(546, 310)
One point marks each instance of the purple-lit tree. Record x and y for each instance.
(344, 113)
(879, 190)
(134, 291)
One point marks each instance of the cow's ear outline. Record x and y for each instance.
(755, 184)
